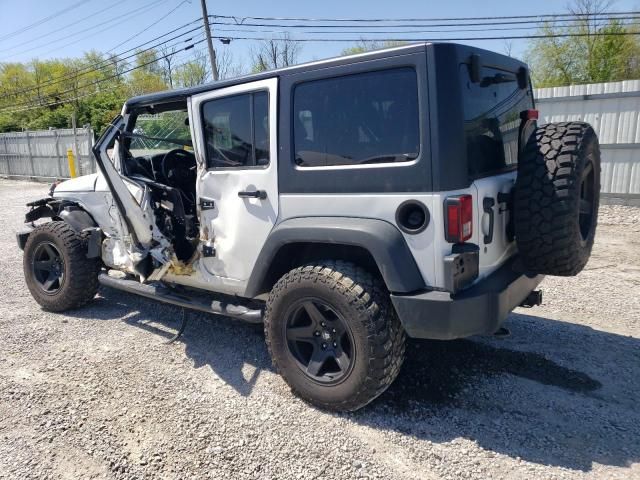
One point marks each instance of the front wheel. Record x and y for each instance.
(333, 335)
(57, 271)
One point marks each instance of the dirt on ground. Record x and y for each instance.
(97, 393)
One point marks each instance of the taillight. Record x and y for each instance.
(458, 218)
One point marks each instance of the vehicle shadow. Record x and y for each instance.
(553, 393)
(234, 350)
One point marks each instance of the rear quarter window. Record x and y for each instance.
(357, 119)
(492, 119)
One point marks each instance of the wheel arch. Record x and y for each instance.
(376, 245)
(71, 212)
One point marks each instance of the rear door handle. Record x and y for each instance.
(261, 194)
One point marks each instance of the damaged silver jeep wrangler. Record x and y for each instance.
(346, 204)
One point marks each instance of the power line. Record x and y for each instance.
(60, 102)
(260, 38)
(307, 19)
(447, 39)
(111, 77)
(380, 32)
(57, 30)
(431, 25)
(42, 20)
(69, 100)
(153, 24)
(104, 63)
(115, 21)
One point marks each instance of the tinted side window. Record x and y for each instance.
(357, 119)
(492, 119)
(236, 130)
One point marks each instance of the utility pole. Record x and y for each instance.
(207, 31)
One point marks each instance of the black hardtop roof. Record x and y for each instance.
(179, 95)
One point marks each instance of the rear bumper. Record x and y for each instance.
(480, 309)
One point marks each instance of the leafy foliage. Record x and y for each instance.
(46, 93)
(599, 51)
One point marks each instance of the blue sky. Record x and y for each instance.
(72, 33)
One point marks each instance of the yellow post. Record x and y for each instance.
(72, 164)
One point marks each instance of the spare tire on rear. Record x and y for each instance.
(556, 198)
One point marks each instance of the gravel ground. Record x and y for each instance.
(95, 393)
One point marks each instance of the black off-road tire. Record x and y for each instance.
(556, 198)
(362, 300)
(80, 274)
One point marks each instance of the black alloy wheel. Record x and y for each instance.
(56, 268)
(587, 200)
(48, 268)
(319, 340)
(333, 334)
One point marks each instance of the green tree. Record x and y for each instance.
(43, 94)
(148, 76)
(599, 51)
(46, 93)
(194, 71)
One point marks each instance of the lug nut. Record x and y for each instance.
(316, 333)
(323, 324)
(335, 344)
(324, 345)
(333, 330)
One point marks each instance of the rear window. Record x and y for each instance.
(492, 119)
(357, 119)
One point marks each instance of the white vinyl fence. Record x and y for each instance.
(614, 111)
(42, 154)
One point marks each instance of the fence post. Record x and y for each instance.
(75, 143)
(90, 140)
(72, 164)
(58, 157)
(6, 152)
(33, 170)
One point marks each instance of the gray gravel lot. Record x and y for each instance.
(95, 393)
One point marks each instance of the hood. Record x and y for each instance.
(86, 183)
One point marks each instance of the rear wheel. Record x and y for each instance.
(57, 271)
(333, 334)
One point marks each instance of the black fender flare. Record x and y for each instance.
(69, 212)
(77, 218)
(380, 238)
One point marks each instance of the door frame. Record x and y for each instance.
(230, 284)
(195, 118)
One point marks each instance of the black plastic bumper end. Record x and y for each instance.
(481, 309)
